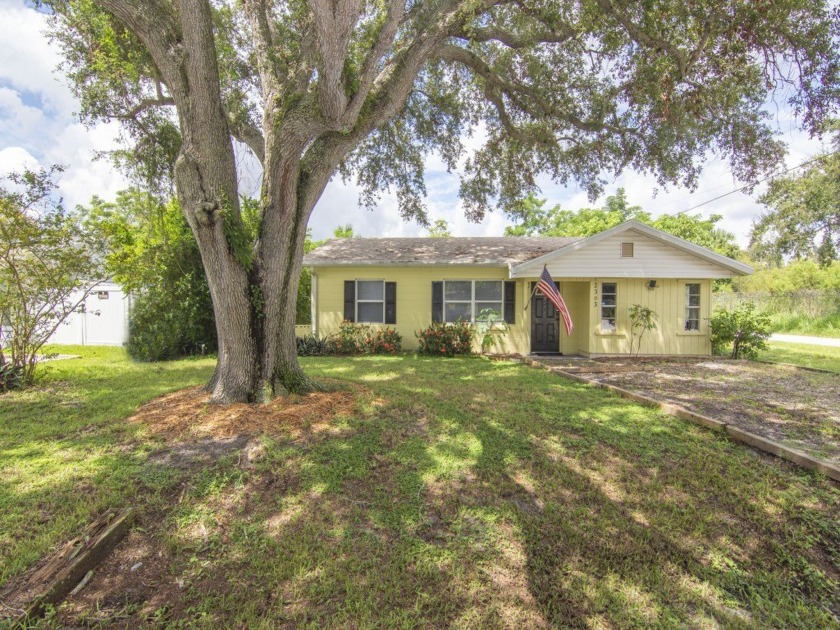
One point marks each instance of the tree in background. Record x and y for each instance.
(803, 219)
(319, 87)
(536, 220)
(439, 229)
(152, 253)
(344, 231)
(794, 276)
(49, 264)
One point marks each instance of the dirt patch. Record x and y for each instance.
(188, 414)
(135, 580)
(796, 407)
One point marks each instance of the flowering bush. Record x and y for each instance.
(361, 339)
(446, 340)
(382, 341)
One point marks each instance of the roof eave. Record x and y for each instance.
(379, 263)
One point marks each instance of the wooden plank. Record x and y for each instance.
(57, 576)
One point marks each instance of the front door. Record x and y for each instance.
(545, 324)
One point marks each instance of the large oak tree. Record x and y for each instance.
(575, 90)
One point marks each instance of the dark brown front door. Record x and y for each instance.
(545, 324)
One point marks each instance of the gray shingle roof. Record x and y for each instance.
(492, 250)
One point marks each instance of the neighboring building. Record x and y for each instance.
(406, 283)
(101, 320)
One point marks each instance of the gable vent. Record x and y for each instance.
(627, 250)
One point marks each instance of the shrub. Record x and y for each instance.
(491, 328)
(312, 346)
(11, 375)
(169, 322)
(446, 340)
(151, 251)
(383, 341)
(361, 339)
(742, 329)
(348, 339)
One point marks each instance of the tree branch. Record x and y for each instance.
(144, 104)
(527, 98)
(248, 134)
(515, 40)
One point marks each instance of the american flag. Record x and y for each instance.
(549, 290)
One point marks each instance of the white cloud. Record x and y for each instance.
(28, 59)
(15, 159)
(37, 125)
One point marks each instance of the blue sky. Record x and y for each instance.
(38, 127)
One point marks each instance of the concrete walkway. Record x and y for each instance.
(811, 341)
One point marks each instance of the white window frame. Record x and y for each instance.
(689, 308)
(472, 300)
(604, 327)
(358, 301)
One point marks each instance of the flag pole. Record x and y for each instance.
(536, 284)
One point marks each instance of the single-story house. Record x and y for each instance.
(407, 283)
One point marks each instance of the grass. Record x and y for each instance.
(63, 455)
(799, 324)
(823, 357)
(460, 493)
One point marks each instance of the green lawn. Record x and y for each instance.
(62, 447)
(462, 493)
(825, 358)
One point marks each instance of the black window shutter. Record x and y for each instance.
(437, 301)
(390, 302)
(350, 300)
(510, 301)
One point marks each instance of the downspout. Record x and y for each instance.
(313, 302)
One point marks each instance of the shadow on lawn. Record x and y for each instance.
(518, 500)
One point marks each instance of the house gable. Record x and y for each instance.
(653, 254)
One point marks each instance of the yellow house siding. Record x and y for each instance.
(582, 295)
(668, 301)
(414, 298)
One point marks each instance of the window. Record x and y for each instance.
(692, 307)
(609, 302)
(370, 301)
(465, 299)
(627, 250)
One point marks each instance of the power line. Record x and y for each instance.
(787, 170)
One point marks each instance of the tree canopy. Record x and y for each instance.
(313, 88)
(803, 216)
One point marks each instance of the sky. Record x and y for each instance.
(38, 127)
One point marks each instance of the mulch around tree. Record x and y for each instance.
(188, 414)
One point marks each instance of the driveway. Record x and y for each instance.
(811, 341)
(793, 406)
